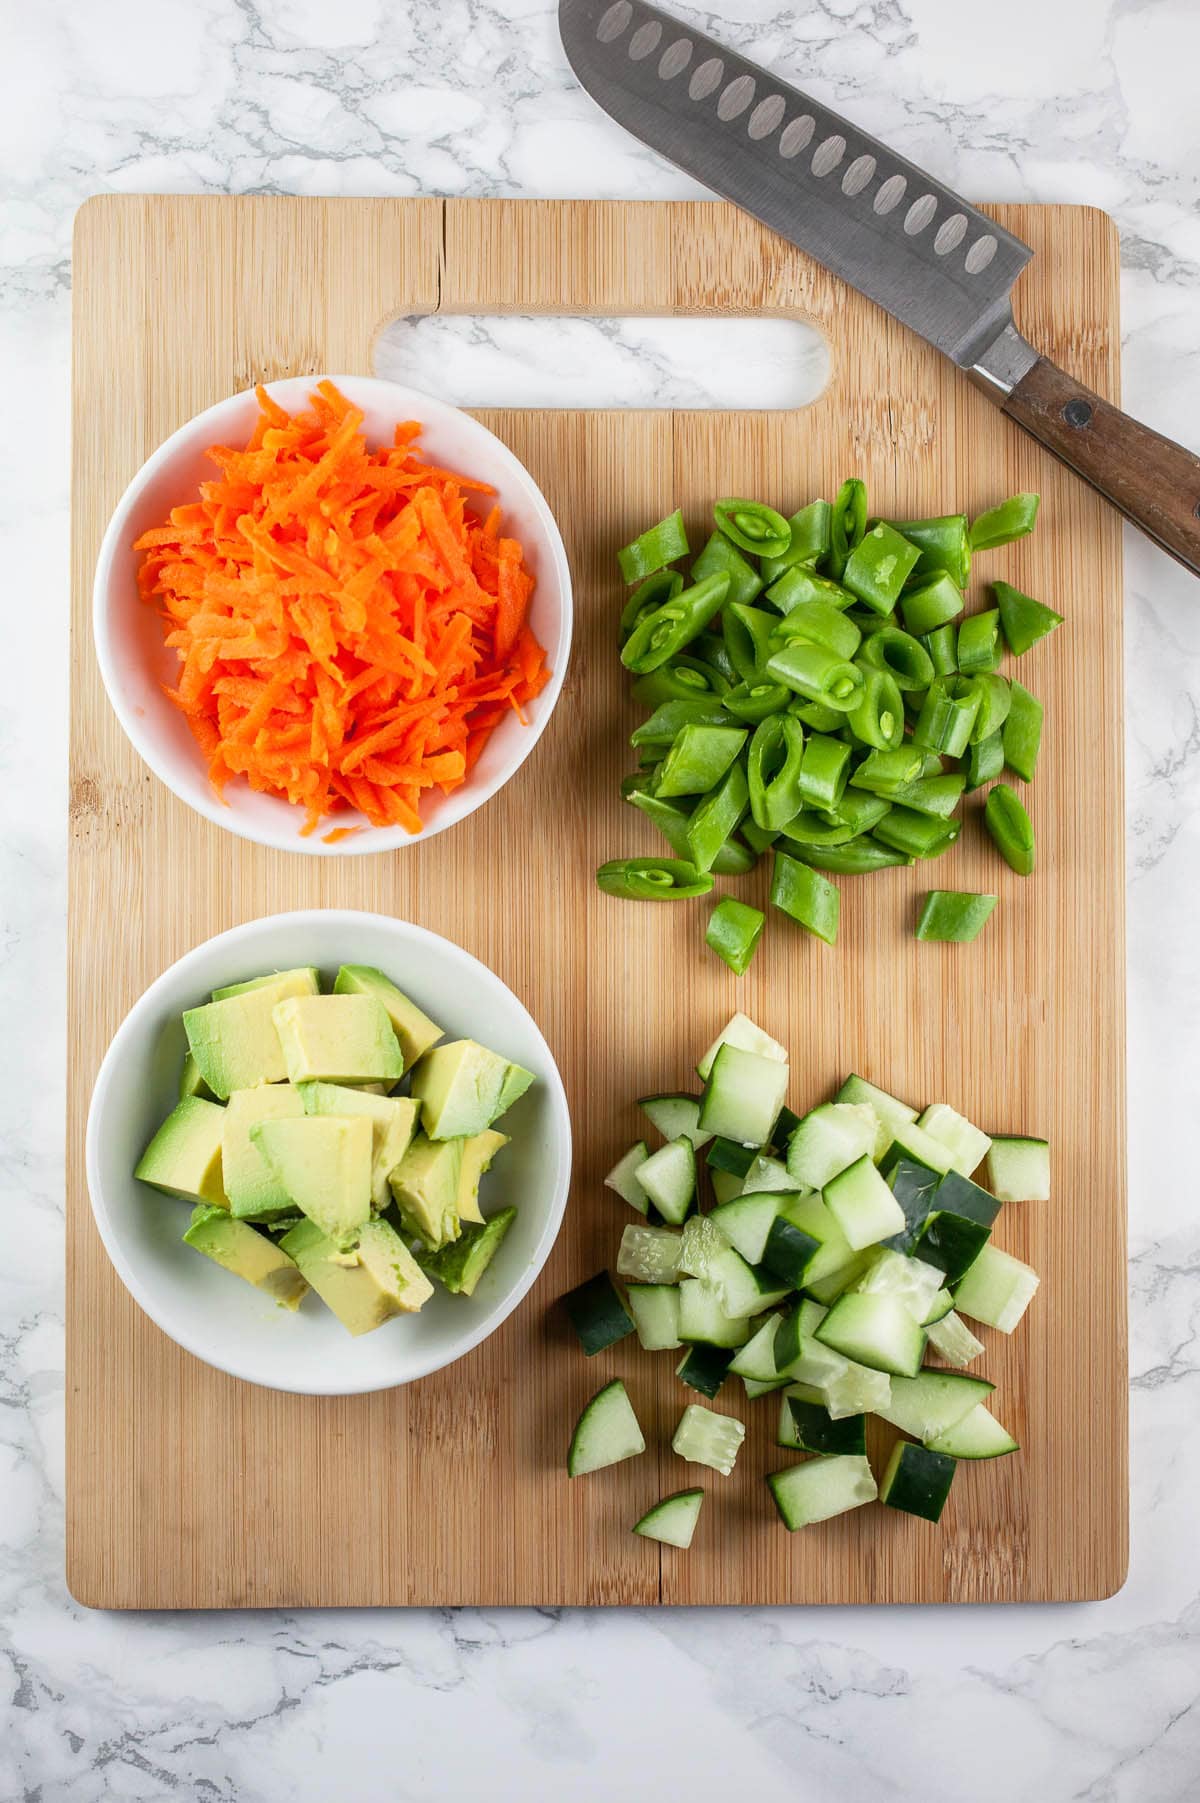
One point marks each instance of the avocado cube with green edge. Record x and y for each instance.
(365, 1284)
(306, 981)
(241, 1249)
(184, 1157)
(323, 1162)
(337, 1039)
(393, 1123)
(463, 1087)
(425, 1188)
(252, 1185)
(460, 1265)
(414, 1030)
(917, 1480)
(235, 1041)
(597, 1313)
(477, 1155)
(191, 1083)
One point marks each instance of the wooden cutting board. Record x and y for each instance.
(187, 1489)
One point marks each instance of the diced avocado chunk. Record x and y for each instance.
(184, 1157)
(253, 1188)
(234, 1041)
(250, 1255)
(323, 1162)
(463, 1088)
(337, 1039)
(477, 1154)
(460, 1266)
(191, 1083)
(307, 980)
(414, 1030)
(393, 1120)
(366, 1285)
(425, 1186)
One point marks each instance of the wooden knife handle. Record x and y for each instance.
(1154, 482)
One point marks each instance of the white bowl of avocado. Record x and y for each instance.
(328, 1152)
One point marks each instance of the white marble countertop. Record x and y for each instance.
(1084, 100)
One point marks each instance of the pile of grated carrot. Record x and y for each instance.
(349, 632)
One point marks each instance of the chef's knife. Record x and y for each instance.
(881, 224)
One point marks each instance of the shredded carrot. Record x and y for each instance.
(349, 632)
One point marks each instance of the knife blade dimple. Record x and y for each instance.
(877, 221)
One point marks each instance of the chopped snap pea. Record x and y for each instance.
(734, 930)
(1022, 731)
(809, 898)
(1011, 828)
(954, 915)
(654, 549)
(1012, 519)
(1023, 619)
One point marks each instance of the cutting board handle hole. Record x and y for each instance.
(725, 364)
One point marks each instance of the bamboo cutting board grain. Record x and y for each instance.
(188, 1489)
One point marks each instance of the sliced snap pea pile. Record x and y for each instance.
(817, 688)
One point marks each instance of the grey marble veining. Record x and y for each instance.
(1084, 100)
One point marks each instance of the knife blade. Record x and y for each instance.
(877, 221)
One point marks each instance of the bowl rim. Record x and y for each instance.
(127, 1032)
(407, 403)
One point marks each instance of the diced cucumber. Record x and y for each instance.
(785, 1126)
(827, 1289)
(668, 1177)
(951, 1242)
(727, 1155)
(917, 1480)
(702, 1318)
(819, 1489)
(856, 1390)
(650, 1254)
(892, 1113)
(809, 1213)
(785, 1433)
(746, 1222)
(655, 1310)
(622, 1178)
(996, 1290)
(607, 1432)
(941, 1306)
(704, 1368)
(756, 1359)
(877, 1331)
(742, 1032)
(933, 1401)
(754, 1388)
(829, 1139)
(743, 1095)
(597, 1314)
(912, 1142)
(768, 1174)
(1018, 1170)
(914, 1186)
(962, 1197)
(964, 1141)
(703, 1241)
(673, 1520)
(745, 1290)
(911, 1280)
(953, 1340)
(676, 1117)
(790, 1251)
(725, 1186)
(817, 1431)
(977, 1436)
(705, 1438)
(862, 1205)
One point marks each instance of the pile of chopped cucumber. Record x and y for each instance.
(308, 1168)
(842, 1248)
(816, 688)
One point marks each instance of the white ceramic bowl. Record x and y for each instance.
(135, 663)
(225, 1321)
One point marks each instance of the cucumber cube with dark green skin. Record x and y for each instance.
(817, 1431)
(460, 1265)
(959, 1196)
(951, 1242)
(914, 1187)
(727, 1155)
(597, 1314)
(917, 1481)
(789, 1251)
(705, 1368)
(785, 1126)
